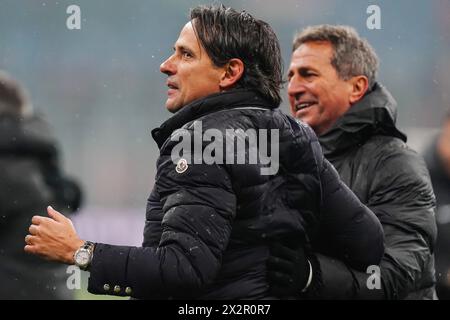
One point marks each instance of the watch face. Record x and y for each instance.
(82, 257)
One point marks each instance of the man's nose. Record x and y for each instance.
(295, 87)
(168, 67)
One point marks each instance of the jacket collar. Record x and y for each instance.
(376, 113)
(224, 100)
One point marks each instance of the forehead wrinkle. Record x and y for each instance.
(313, 61)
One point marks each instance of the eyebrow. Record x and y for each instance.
(302, 69)
(183, 48)
(306, 68)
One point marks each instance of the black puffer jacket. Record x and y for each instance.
(30, 181)
(372, 158)
(208, 228)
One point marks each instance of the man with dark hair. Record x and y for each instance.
(333, 88)
(30, 178)
(265, 76)
(212, 213)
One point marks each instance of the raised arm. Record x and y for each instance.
(196, 227)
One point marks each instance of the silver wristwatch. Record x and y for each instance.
(83, 256)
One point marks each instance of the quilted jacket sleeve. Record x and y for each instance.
(198, 206)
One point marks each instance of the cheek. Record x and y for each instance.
(317, 91)
(329, 97)
(333, 106)
(338, 100)
(321, 91)
(291, 101)
(207, 83)
(195, 87)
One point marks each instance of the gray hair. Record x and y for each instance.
(14, 99)
(353, 55)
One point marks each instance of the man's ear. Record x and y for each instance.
(359, 87)
(233, 72)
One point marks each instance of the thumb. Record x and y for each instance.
(55, 215)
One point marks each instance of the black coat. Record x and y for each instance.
(441, 186)
(30, 181)
(208, 228)
(372, 158)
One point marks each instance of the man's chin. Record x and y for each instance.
(306, 118)
(301, 116)
(172, 107)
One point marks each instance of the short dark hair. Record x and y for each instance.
(14, 99)
(226, 33)
(353, 55)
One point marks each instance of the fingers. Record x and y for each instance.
(30, 240)
(33, 249)
(39, 221)
(30, 249)
(55, 215)
(33, 245)
(36, 220)
(33, 230)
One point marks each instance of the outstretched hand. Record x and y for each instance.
(53, 237)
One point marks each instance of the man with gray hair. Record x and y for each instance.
(333, 88)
